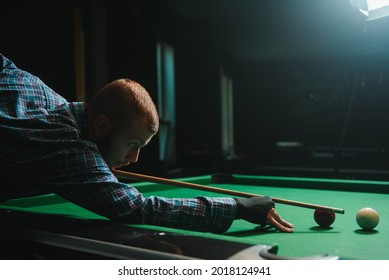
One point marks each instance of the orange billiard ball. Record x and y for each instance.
(324, 218)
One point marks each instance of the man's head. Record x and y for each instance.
(122, 118)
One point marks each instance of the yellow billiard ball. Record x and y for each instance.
(367, 218)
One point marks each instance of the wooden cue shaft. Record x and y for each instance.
(141, 177)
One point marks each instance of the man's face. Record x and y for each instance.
(121, 147)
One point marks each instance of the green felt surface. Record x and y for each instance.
(344, 238)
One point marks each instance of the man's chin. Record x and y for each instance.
(117, 165)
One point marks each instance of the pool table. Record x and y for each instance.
(50, 227)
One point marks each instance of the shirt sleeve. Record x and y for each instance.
(82, 177)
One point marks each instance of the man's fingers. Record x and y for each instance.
(274, 219)
(281, 220)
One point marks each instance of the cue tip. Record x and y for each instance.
(338, 210)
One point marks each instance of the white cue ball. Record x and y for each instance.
(367, 218)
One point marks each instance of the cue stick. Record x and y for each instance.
(141, 177)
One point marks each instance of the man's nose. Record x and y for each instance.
(133, 156)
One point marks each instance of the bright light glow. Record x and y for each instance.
(376, 4)
(372, 9)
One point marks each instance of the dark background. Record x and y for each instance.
(310, 73)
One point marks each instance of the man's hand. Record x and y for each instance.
(275, 220)
(260, 210)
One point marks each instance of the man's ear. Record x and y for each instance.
(102, 126)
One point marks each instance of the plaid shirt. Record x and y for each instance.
(43, 148)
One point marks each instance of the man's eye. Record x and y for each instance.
(133, 146)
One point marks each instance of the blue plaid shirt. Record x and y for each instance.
(43, 147)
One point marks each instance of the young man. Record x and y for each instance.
(49, 145)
